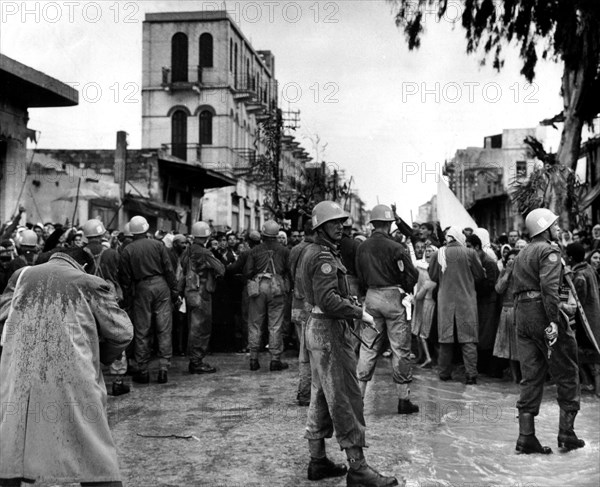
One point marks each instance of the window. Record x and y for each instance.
(231, 55)
(206, 50)
(521, 169)
(179, 57)
(235, 64)
(206, 127)
(179, 134)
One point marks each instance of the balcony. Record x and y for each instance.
(168, 84)
(185, 152)
(244, 88)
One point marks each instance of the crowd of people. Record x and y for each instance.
(414, 293)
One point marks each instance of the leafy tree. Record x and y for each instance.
(564, 31)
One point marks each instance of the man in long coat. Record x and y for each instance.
(58, 323)
(456, 269)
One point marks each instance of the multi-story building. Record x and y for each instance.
(481, 176)
(205, 92)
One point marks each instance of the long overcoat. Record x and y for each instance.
(457, 298)
(58, 325)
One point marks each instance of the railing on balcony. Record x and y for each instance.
(186, 152)
(168, 83)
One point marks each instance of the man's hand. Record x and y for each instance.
(368, 319)
(551, 332)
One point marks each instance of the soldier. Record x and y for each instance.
(200, 269)
(386, 270)
(148, 281)
(28, 248)
(300, 314)
(267, 273)
(336, 403)
(106, 266)
(544, 338)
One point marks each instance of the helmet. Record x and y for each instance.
(201, 229)
(326, 211)
(127, 230)
(93, 228)
(138, 224)
(382, 213)
(539, 220)
(270, 229)
(29, 238)
(254, 236)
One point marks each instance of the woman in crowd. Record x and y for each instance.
(594, 261)
(424, 304)
(506, 336)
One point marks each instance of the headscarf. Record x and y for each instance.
(484, 236)
(457, 234)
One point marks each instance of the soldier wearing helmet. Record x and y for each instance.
(200, 268)
(149, 286)
(545, 340)
(268, 280)
(386, 271)
(28, 248)
(106, 266)
(335, 403)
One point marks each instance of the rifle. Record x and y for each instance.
(356, 302)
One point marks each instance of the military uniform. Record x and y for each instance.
(199, 269)
(300, 314)
(267, 266)
(537, 277)
(336, 402)
(148, 282)
(376, 264)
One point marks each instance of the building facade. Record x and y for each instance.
(481, 177)
(205, 93)
(21, 88)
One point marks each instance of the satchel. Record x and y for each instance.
(253, 288)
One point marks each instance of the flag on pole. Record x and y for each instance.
(450, 210)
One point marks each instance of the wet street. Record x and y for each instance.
(242, 428)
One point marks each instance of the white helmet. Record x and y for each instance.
(201, 229)
(539, 220)
(138, 224)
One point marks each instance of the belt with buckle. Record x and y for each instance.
(528, 295)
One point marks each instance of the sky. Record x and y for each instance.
(388, 116)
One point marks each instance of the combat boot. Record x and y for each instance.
(527, 442)
(322, 468)
(277, 365)
(119, 388)
(254, 365)
(407, 407)
(567, 439)
(361, 475)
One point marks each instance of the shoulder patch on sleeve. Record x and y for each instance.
(326, 268)
(553, 257)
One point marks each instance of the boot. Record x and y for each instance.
(277, 365)
(322, 468)
(567, 439)
(119, 388)
(254, 365)
(361, 475)
(527, 442)
(407, 407)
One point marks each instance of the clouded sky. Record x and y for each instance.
(389, 117)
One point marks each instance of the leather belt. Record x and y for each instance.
(528, 295)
